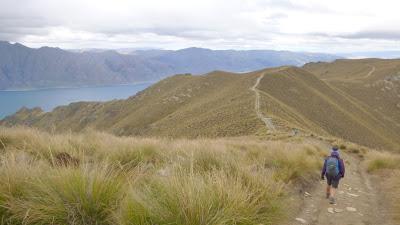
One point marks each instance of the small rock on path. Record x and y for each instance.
(301, 220)
(351, 209)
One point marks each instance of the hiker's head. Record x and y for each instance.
(335, 148)
(335, 154)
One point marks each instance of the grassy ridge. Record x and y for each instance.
(373, 85)
(304, 100)
(221, 104)
(218, 104)
(97, 178)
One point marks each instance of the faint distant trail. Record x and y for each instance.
(370, 72)
(267, 120)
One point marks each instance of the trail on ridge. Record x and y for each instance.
(370, 72)
(358, 202)
(267, 120)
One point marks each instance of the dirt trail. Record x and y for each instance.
(357, 201)
(370, 72)
(267, 120)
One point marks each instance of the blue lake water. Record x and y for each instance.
(48, 99)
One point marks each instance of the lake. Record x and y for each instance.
(48, 99)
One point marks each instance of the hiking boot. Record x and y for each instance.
(328, 195)
(332, 200)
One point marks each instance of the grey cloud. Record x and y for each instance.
(180, 32)
(295, 6)
(36, 17)
(15, 33)
(367, 34)
(15, 26)
(254, 23)
(370, 34)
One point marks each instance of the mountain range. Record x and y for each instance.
(357, 100)
(22, 67)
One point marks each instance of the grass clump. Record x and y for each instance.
(135, 156)
(298, 165)
(16, 177)
(382, 160)
(212, 198)
(85, 196)
(37, 194)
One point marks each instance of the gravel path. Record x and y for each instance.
(357, 201)
(267, 120)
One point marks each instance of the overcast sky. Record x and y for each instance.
(307, 25)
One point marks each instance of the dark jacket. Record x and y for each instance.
(341, 166)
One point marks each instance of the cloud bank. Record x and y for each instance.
(309, 25)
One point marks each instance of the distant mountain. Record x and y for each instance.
(23, 67)
(342, 99)
(200, 60)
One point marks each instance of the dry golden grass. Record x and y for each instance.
(387, 168)
(97, 178)
(382, 160)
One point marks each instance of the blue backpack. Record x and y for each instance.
(332, 166)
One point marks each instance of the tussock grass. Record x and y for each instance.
(386, 166)
(15, 173)
(350, 147)
(70, 196)
(389, 184)
(129, 180)
(382, 160)
(215, 198)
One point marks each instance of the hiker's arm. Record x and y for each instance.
(323, 170)
(342, 169)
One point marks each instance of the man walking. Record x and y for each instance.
(333, 170)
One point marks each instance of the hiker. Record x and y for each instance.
(333, 170)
